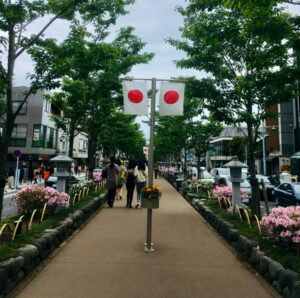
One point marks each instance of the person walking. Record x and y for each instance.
(120, 179)
(36, 175)
(130, 182)
(155, 166)
(11, 174)
(46, 175)
(141, 173)
(111, 181)
(30, 174)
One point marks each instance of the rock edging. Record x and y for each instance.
(14, 270)
(286, 282)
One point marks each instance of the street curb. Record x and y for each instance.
(14, 270)
(286, 282)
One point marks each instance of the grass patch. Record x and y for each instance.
(270, 247)
(9, 249)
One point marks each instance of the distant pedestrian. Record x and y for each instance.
(141, 174)
(22, 174)
(155, 167)
(111, 181)
(120, 179)
(30, 174)
(36, 175)
(41, 173)
(11, 174)
(46, 175)
(130, 182)
(76, 169)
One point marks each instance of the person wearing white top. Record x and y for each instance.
(141, 173)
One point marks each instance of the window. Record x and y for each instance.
(18, 136)
(82, 145)
(50, 137)
(15, 106)
(47, 105)
(39, 132)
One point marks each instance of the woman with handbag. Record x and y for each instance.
(130, 182)
(141, 173)
(112, 172)
(120, 179)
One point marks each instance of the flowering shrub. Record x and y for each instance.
(97, 176)
(283, 223)
(34, 197)
(151, 193)
(76, 188)
(226, 192)
(203, 186)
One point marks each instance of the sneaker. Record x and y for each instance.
(137, 205)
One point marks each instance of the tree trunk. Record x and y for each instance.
(91, 156)
(71, 141)
(198, 167)
(9, 123)
(255, 202)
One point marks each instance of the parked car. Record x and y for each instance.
(287, 194)
(217, 173)
(52, 180)
(97, 170)
(245, 185)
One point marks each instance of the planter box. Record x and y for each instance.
(150, 203)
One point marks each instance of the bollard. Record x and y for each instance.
(31, 219)
(246, 212)
(238, 209)
(2, 229)
(43, 213)
(16, 227)
(258, 224)
(74, 199)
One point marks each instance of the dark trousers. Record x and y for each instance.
(155, 173)
(130, 189)
(111, 193)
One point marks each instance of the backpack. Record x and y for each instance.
(130, 178)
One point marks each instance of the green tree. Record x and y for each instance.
(202, 132)
(247, 74)
(15, 18)
(236, 147)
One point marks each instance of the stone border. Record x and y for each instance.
(16, 269)
(286, 282)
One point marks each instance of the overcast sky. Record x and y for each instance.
(154, 21)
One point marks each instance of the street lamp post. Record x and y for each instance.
(263, 127)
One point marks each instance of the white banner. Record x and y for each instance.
(171, 98)
(135, 98)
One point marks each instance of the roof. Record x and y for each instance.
(229, 132)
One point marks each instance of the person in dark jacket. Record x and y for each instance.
(111, 181)
(130, 182)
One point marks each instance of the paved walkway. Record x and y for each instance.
(106, 258)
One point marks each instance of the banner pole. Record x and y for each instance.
(148, 245)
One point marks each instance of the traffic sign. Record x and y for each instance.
(17, 153)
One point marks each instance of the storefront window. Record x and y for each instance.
(38, 135)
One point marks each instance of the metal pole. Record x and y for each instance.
(16, 181)
(149, 246)
(264, 150)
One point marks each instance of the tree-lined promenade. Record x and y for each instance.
(249, 51)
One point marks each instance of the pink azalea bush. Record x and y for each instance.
(226, 192)
(283, 223)
(97, 176)
(34, 197)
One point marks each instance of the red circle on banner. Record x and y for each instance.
(171, 97)
(135, 96)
